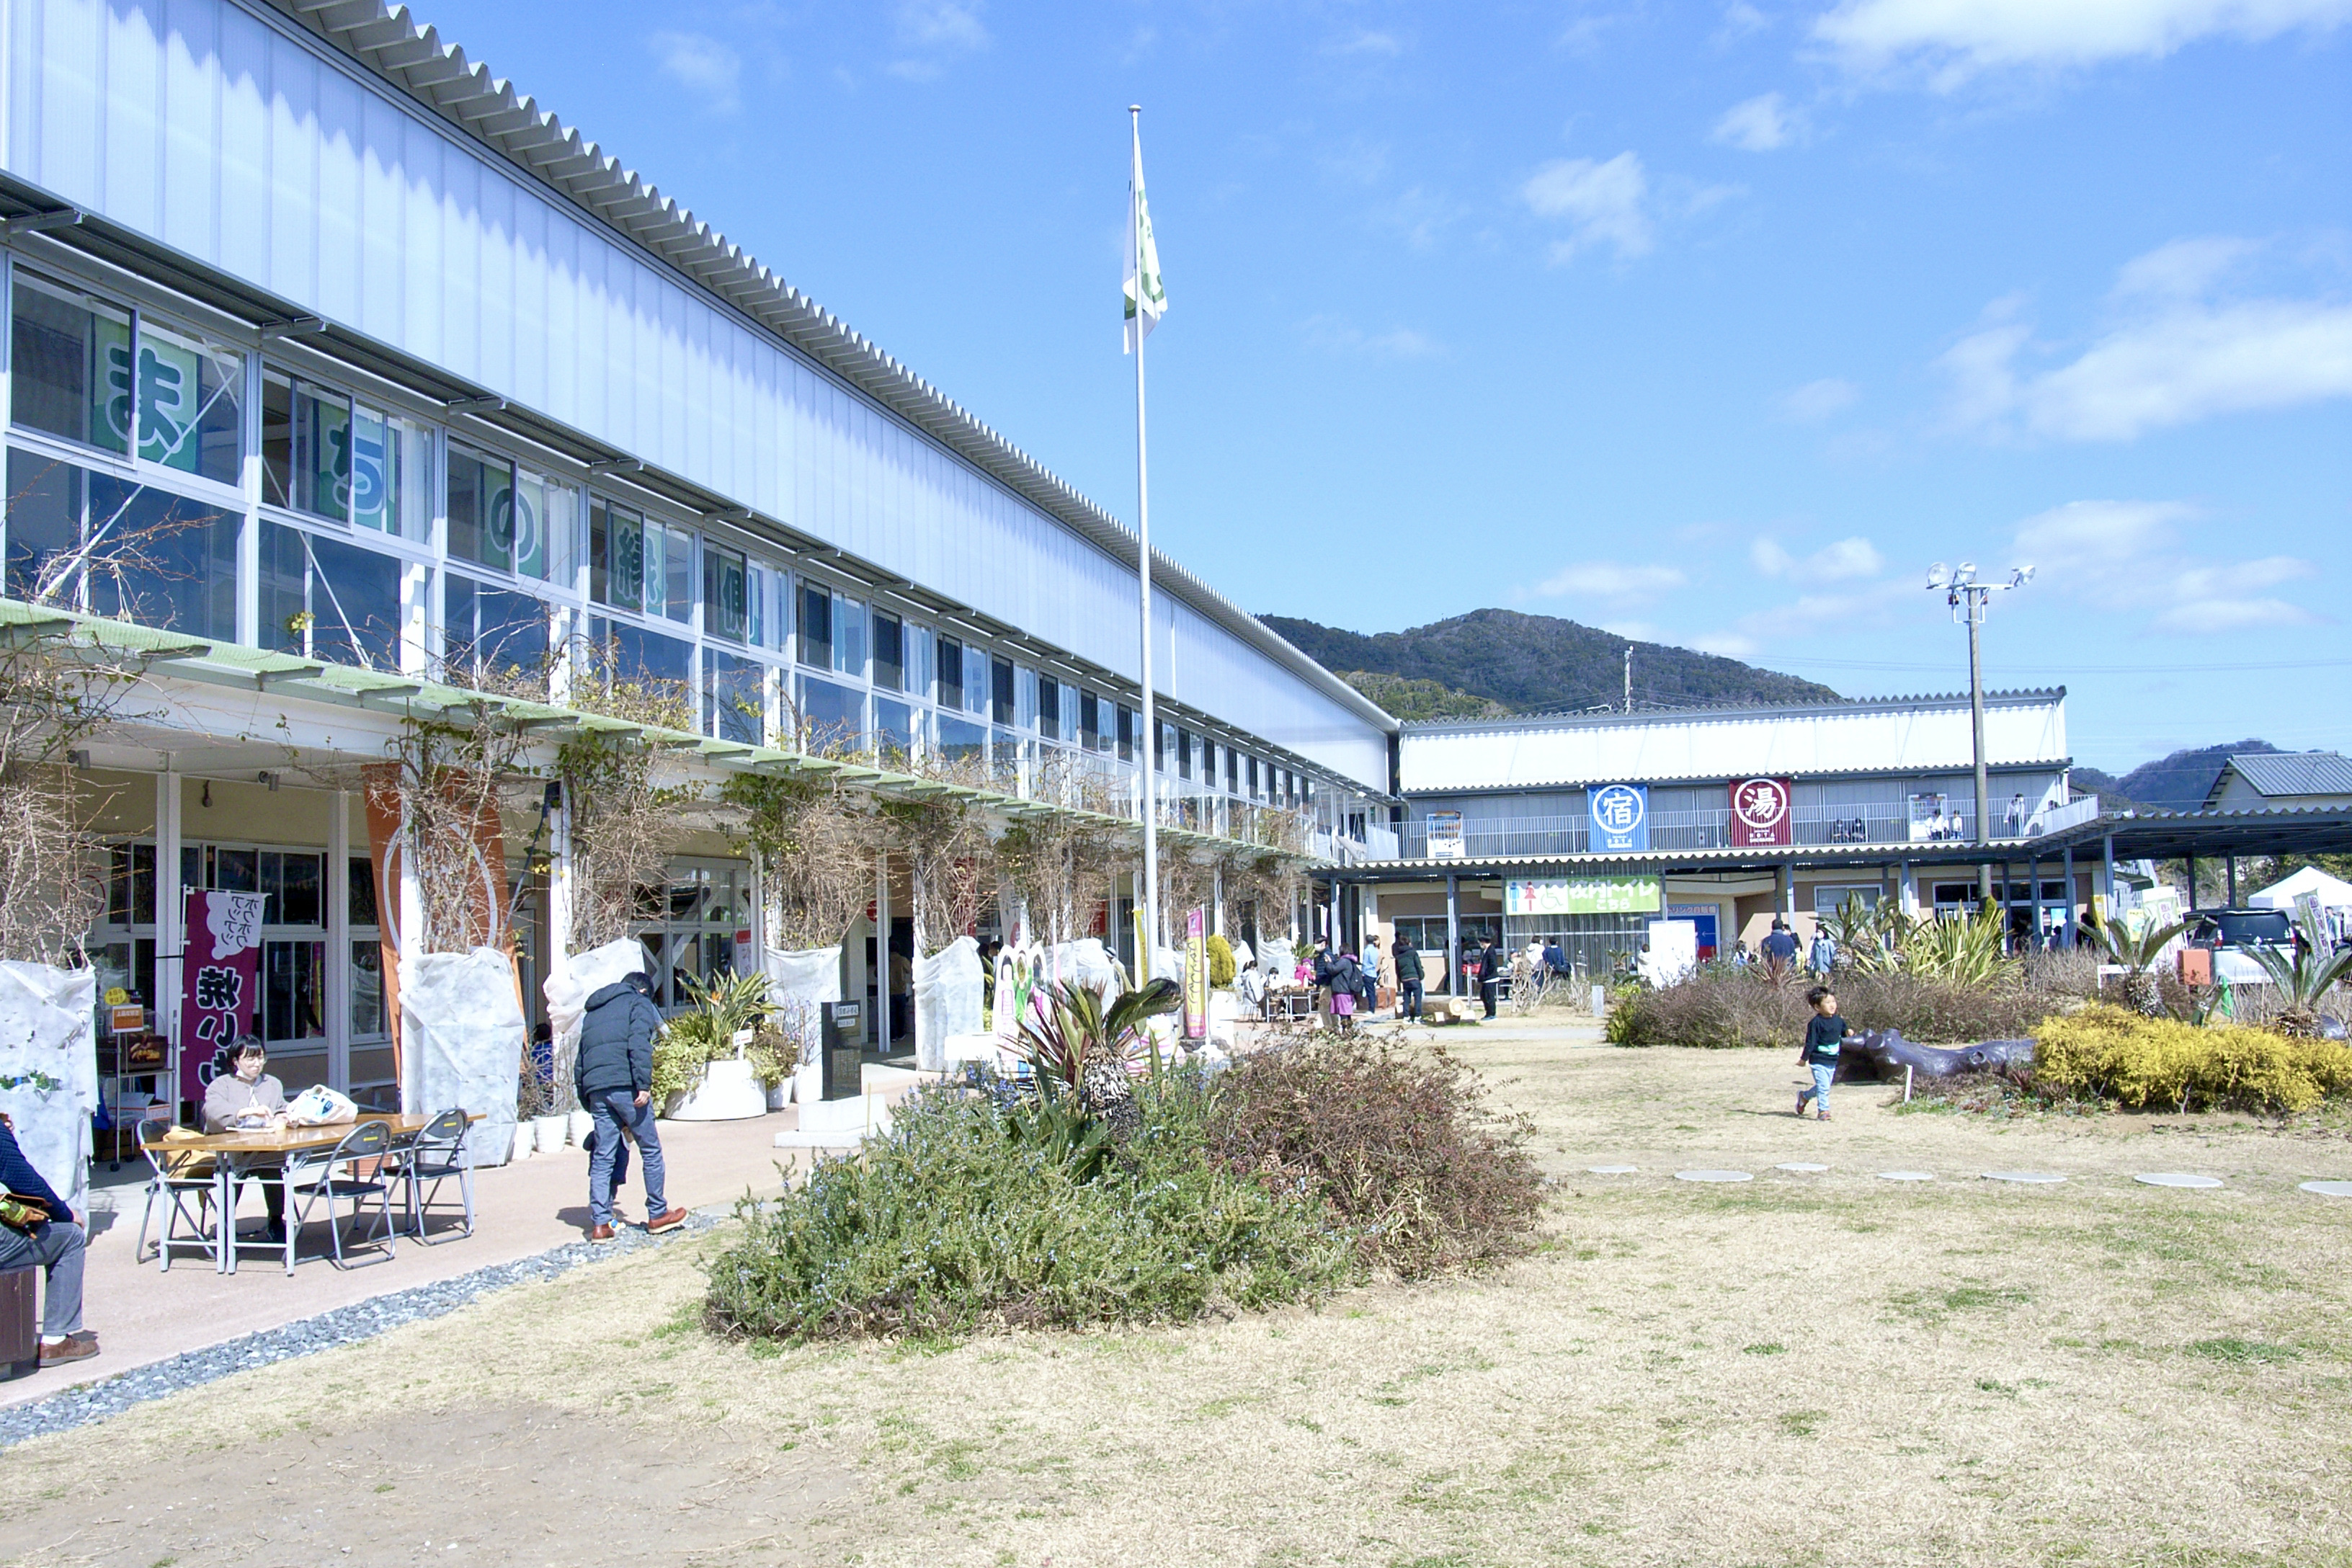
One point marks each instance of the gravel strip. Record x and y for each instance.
(347, 1325)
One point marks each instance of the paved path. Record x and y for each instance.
(143, 1315)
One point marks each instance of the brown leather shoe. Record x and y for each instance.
(600, 1233)
(72, 1349)
(668, 1219)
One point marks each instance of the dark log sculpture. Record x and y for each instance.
(1883, 1054)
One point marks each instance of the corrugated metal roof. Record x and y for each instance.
(1725, 713)
(2291, 772)
(411, 56)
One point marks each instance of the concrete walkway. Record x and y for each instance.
(143, 1315)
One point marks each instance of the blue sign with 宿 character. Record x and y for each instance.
(1620, 819)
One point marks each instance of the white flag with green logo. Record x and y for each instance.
(1142, 282)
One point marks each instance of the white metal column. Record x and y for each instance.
(410, 916)
(339, 943)
(882, 950)
(170, 925)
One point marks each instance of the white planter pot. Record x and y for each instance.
(583, 1122)
(808, 1084)
(779, 1093)
(729, 1092)
(518, 1141)
(1224, 1013)
(548, 1132)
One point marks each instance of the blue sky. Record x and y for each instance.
(1713, 324)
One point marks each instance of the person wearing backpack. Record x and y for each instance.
(615, 1076)
(1409, 975)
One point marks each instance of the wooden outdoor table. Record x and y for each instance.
(238, 1152)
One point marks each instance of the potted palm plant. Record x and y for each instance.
(1083, 1048)
(702, 1066)
(2304, 976)
(2137, 953)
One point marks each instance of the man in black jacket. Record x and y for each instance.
(615, 1076)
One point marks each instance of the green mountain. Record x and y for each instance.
(1536, 664)
(1421, 698)
(2181, 781)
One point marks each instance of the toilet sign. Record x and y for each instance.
(1759, 813)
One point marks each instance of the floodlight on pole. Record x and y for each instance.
(1969, 599)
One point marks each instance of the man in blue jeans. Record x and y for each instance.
(55, 1246)
(615, 1076)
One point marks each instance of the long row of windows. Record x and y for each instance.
(387, 543)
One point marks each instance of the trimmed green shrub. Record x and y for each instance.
(1722, 1006)
(2120, 1055)
(1221, 963)
(984, 1209)
(1401, 1143)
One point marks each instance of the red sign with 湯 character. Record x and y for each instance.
(1759, 813)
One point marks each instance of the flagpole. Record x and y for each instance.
(1149, 750)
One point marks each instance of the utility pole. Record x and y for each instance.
(1969, 599)
(1629, 678)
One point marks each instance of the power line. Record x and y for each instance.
(2082, 669)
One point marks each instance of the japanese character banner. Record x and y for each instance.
(224, 980)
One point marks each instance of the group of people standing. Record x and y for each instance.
(1352, 987)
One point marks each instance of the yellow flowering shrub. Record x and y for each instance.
(2123, 1056)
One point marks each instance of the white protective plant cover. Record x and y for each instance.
(462, 1026)
(799, 983)
(47, 1038)
(948, 997)
(568, 989)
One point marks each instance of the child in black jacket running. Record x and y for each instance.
(1824, 1035)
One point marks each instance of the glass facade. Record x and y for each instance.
(151, 470)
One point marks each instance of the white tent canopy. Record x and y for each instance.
(2334, 892)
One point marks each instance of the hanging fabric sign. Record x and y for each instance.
(1620, 819)
(224, 973)
(1196, 975)
(1759, 813)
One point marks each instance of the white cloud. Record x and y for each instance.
(941, 25)
(1817, 400)
(931, 30)
(1333, 335)
(1846, 560)
(2131, 555)
(2205, 616)
(1759, 124)
(702, 65)
(1730, 645)
(1601, 201)
(2174, 357)
(1368, 42)
(1954, 39)
(1610, 580)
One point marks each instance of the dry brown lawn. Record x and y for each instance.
(1830, 1369)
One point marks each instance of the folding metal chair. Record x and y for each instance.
(334, 1175)
(436, 1154)
(176, 1176)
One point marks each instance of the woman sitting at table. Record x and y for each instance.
(243, 1099)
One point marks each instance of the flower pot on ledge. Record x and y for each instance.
(729, 1091)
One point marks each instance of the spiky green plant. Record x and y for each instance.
(2138, 952)
(1080, 1045)
(2304, 976)
(1971, 949)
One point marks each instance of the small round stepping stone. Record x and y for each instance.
(1713, 1176)
(2032, 1178)
(1612, 1170)
(2329, 1189)
(1907, 1175)
(2177, 1179)
(1805, 1166)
